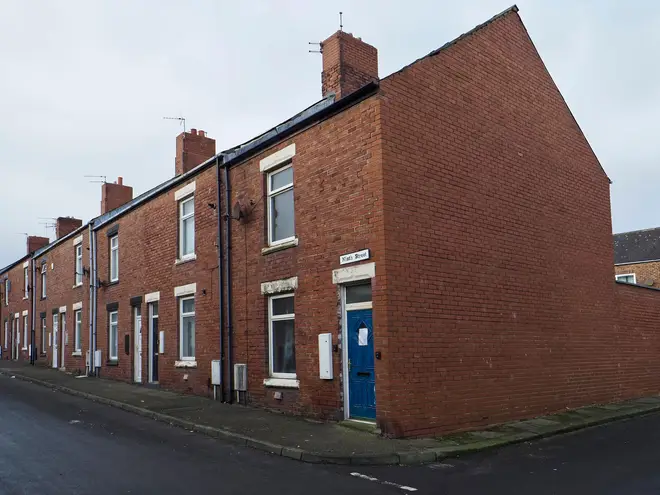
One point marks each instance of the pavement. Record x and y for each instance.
(313, 441)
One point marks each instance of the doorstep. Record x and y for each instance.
(316, 442)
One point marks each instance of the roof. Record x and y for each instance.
(638, 246)
(9, 267)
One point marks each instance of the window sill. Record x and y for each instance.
(282, 382)
(43, 354)
(24, 349)
(25, 298)
(185, 364)
(112, 362)
(181, 261)
(113, 282)
(77, 285)
(42, 298)
(77, 353)
(280, 247)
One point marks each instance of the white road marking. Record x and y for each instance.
(388, 483)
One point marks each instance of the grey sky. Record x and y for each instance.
(84, 85)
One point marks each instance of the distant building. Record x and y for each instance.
(637, 257)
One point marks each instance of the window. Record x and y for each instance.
(25, 332)
(114, 258)
(281, 337)
(7, 286)
(79, 265)
(27, 285)
(77, 331)
(280, 206)
(113, 337)
(43, 335)
(629, 278)
(6, 336)
(187, 328)
(43, 281)
(187, 228)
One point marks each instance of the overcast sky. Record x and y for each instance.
(84, 85)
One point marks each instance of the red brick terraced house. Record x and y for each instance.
(430, 251)
(637, 257)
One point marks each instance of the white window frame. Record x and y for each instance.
(77, 331)
(182, 218)
(112, 357)
(25, 332)
(44, 328)
(186, 315)
(79, 266)
(27, 285)
(44, 270)
(114, 258)
(271, 194)
(6, 335)
(271, 319)
(622, 275)
(6, 292)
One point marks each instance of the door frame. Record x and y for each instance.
(151, 351)
(345, 308)
(63, 336)
(137, 344)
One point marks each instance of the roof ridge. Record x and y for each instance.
(636, 231)
(467, 34)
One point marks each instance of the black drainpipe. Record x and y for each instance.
(228, 268)
(221, 296)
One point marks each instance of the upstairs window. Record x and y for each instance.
(79, 265)
(629, 278)
(280, 206)
(187, 228)
(114, 258)
(7, 286)
(43, 281)
(26, 279)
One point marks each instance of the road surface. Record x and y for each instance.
(53, 443)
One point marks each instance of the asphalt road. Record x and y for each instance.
(52, 443)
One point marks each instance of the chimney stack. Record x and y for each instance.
(66, 225)
(192, 148)
(348, 64)
(115, 195)
(35, 242)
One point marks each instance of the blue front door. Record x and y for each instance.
(361, 373)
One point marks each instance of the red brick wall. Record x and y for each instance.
(147, 254)
(646, 273)
(338, 205)
(632, 349)
(17, 304)
(60, 292)
(498, 241)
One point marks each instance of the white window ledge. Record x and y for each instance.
(280, 247)
(185, 364)
(24, 298)
(76, 353)
(282, 382)
(77, 285)
(185, 259)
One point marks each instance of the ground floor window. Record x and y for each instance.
(281, 336)
(187, 328)
(43, 335)
(113, 337)
(77, 337)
